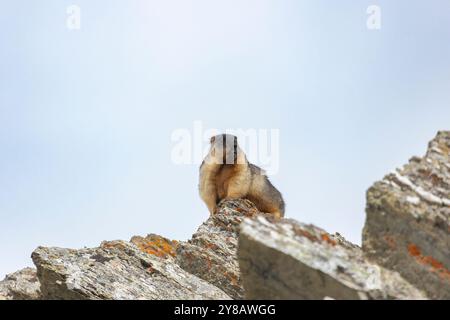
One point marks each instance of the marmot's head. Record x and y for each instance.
(225, 149)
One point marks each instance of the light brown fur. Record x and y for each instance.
(226, 174)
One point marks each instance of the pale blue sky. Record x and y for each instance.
(86, 116)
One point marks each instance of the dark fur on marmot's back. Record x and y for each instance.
(226, 174)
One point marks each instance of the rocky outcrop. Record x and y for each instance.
(243, 253)
(20, 285)
(116, 270)
(290, 260)
(208, 259)
(211, 254)
(408, 220)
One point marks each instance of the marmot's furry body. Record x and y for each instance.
(225, 173)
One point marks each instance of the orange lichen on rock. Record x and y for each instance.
(208, 263)
(435, 265)
(156, 245)
(326, 237)
(414, 250)
(211, 246)
(303, 233)
(233, 278)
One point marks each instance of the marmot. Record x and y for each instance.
(225, 173)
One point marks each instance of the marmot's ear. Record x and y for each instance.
(213, 138)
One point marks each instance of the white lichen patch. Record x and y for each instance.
(425, 195)
(413, 200)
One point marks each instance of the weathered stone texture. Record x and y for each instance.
(20, 285)
(211, 254)
(289, 260)
(408, 220)
(116, 270)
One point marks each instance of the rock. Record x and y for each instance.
(406, 252)
(156, 245)
(289, 260)
(20, 285)
(116, 270)
(407, 227)
(152, 267)
(211, 254)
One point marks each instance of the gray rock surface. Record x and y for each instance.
(406, 252)
(116, 270)
(211, 254)
(20, 285)
(289, 260)
(407, 227)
